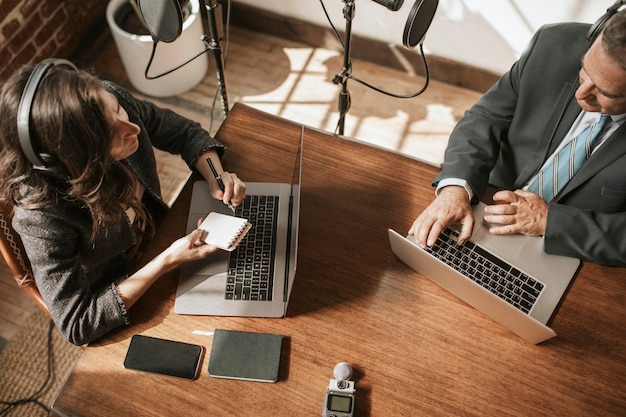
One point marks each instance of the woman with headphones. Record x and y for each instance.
(77, 164)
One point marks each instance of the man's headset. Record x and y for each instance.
(597, 27)
(42, 162)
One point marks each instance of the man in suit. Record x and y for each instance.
(569, 75)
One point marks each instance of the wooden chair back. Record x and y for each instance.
(16, 259)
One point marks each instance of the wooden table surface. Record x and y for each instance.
(416, 349)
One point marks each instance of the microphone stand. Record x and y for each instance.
(215, 47)
(342, 78)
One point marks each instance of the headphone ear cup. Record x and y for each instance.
(52, 167)
(42, 162)
(597, 27)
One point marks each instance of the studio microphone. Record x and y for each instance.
(393, 5)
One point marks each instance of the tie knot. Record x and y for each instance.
(604, 118)
(596, 131)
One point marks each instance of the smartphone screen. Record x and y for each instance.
(165, 357)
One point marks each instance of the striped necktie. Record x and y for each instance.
(553, 177)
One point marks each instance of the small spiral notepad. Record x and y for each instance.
(224, 231)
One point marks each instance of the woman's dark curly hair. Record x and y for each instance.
(68, 123)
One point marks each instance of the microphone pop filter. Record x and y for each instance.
(163, 18)
(418, 22)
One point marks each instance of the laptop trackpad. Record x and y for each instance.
(194, 273)
(506, 246)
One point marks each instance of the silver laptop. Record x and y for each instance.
(254, 280)
(507, 277)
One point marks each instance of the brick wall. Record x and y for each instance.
(31, 30)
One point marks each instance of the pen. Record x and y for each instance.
(219, 180)
(202, 333)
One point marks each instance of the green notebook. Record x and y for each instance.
(245, 355)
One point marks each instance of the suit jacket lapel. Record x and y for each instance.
(566, 109)
(571, 110)
(612, 149)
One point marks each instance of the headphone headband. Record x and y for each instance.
(41, 162)
(597, 27)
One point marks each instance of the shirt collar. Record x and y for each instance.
(618, 118)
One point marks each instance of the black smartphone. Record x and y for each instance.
(162, 356)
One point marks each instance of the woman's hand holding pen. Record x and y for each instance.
(225, 186)
(233, 191)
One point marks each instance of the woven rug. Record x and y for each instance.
(24, 367)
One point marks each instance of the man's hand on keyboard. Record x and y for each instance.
(517, 212)
(451, 206)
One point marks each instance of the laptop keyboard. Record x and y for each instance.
(251, 264)
(487, 270)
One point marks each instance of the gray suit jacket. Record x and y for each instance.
(77, 278)
(507, 135)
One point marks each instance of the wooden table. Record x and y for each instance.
(416, 349)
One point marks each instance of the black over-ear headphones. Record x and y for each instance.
(596, 28)
(42, 162)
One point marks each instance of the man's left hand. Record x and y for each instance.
(517, 212)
